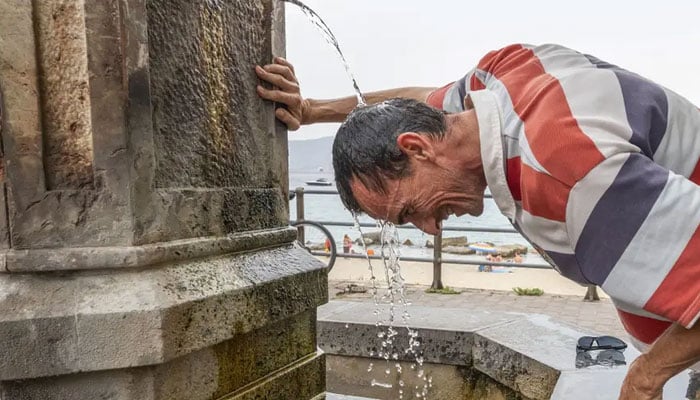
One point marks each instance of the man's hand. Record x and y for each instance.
(286, 91)
(300, 111)
(641, 382)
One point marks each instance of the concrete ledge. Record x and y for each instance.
(528, 353)
(119, 257)
(93, 321)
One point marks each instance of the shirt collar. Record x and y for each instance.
(488, 116)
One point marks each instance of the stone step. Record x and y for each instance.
(333, 396)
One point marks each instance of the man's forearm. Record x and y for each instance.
(677, 349)
(336, 110)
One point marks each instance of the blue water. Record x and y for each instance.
(330, 208)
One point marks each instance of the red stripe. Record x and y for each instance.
(550, 128)
(436, 97)
(513, 177)
(644, 329)
(695, 176)
(678, 296)
(476, 83)
(543, 196)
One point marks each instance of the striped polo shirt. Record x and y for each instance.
(598, 168)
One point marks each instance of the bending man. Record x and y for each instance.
(595, 165)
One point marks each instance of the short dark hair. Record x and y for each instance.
(365, 145)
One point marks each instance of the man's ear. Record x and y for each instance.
(416, 145)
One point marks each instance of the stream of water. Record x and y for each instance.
(394, 295)
(327, 34)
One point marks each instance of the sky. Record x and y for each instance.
(396, 43)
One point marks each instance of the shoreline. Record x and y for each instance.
(460, 276)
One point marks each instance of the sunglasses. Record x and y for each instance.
(588, 343)
(608, 358)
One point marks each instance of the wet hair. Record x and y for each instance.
(365, 146)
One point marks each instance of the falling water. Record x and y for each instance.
(395, 292)
(317, 21)
(395, 296)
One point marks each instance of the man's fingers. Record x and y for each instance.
(286, 117)
(280, 96)
(283, 70)
(277, 80)
(283, 61)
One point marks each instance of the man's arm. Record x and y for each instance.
(677, 349)
(301, 111)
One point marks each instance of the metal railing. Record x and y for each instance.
(437, 260)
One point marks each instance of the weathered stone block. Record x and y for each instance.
(208, 120)
(234, 369)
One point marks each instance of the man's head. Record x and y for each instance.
(404, 161)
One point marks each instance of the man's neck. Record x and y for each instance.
(464, 139)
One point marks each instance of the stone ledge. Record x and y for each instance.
(91, 321)
(446, 334)
(119, 257)
(528, 353)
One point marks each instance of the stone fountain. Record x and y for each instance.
(145, 252)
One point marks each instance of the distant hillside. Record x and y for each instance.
(309, 155)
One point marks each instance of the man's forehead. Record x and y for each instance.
(374, 203)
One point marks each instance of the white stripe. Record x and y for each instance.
(512, 124)
(657, 244)
(594, 97)
(586, 193)
(512, 146)
(546, 233)
(693, 321)
(453, 102)
(682, 136)
(634, 309)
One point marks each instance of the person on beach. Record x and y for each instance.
(597, 166)
(347, 244)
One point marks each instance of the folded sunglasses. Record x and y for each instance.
(589, 343)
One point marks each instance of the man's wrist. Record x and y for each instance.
(308, 112)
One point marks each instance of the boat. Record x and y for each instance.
(319, 182)
(483, 248)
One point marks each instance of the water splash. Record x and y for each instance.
(395, 296)
(318, 22)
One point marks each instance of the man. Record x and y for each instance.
(596, 166)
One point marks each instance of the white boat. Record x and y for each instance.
(319, 182)
(482, 248)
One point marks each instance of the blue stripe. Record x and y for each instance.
(568, 266)
(646, 106)
(617, 216)
(647, 111)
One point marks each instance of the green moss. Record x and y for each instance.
(528, 291)
(445, 290)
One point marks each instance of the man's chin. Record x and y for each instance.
(477, 210)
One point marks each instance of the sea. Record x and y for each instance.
(330, 208)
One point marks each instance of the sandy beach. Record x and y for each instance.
(462, 276)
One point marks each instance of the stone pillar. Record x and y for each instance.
(144, 246)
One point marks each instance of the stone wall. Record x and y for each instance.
(144, 246)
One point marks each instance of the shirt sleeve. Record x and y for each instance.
(450, 98)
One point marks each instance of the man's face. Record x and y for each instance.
(430, 194)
